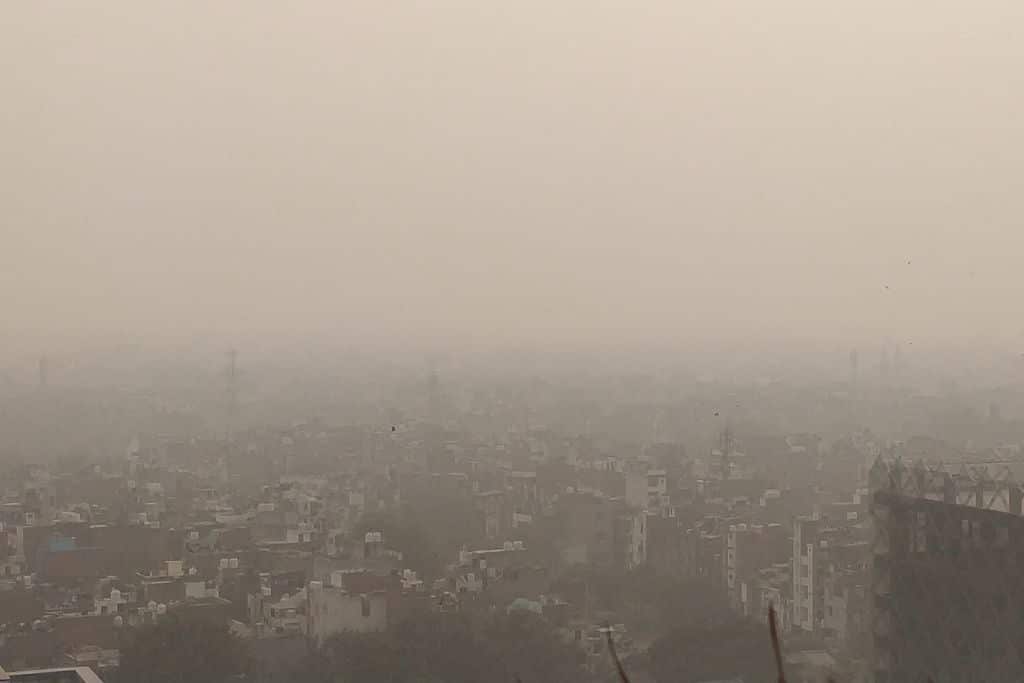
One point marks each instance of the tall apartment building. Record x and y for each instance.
(948, 556)
(830, 561)
(748, 549)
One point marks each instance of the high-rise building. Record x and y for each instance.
(948, 554)
(830, 559)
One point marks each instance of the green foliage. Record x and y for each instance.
(176, 650)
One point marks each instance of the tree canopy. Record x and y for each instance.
(177, 650)
(737, 649)
(449, 648)
(644, 598)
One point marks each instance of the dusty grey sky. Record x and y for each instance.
(530, 170)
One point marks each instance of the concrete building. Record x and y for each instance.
(631, 537)
(748, 549)
(334, 610)
(601, 531)
(587, 529)
(494, 518)
(667, 551)
(830, 561)
(524, 493)
(284, 616)
(77, 674)
(491, 563)
(647, 489)
(772, 587)
(808, 607)
(636, 489)
(94, 657)
(708, 554)
(948, 553)
(846, 610)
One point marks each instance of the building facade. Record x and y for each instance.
(948, 554)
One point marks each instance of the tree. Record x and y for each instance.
(448, 648)
(645, 600)
(670, 603)
(358, 657)
(177, 650)
(529, 650)
(738, 649)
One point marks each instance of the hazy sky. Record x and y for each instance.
(530, 170)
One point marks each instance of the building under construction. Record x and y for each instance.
(948, 572)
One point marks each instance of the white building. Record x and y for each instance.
(808, 597)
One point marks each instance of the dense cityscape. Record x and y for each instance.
(513, 522)
(552, 341)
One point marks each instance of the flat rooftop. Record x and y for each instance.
(76, 674)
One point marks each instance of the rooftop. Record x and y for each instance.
(984, 483)
(80, 674)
